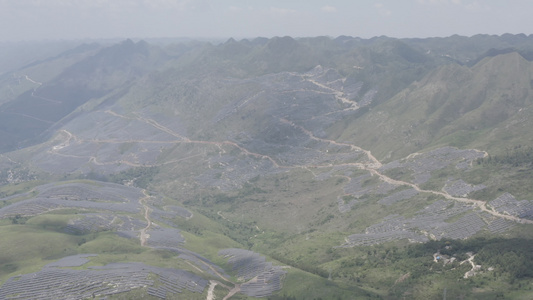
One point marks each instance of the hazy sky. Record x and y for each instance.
(78, 19)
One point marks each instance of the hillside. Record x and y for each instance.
(281, 168)
(454, 105)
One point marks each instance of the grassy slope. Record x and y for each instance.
(486, 106)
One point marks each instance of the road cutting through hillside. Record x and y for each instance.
(371, 166)
(144, 236)
(35, 89)
(211, 290)
(186, 140)
(479, 203)
(376, 164)
(218, 144)
(30, 117)
(33, 81)
(233, 291)
(339, 95)
(470, 260)
(142, 201)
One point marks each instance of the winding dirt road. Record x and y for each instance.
(144, 236)
(211, 290)
(372, 165)
(338, 94)
(375, 164)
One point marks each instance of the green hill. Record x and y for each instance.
(453, 105)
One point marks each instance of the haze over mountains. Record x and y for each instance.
(282, 168)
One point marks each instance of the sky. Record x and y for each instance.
(25, 20)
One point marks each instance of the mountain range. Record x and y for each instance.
(325, 168)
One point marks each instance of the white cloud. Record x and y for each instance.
(476, 6)
(329, 9)
(438, 1)
(382, 9)
(465, 4)
(282, 11)
(106, 4)
(235, 9)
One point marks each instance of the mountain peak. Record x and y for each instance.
(506, 62)
(282, 44)
(230, 41)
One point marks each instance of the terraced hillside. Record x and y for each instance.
(309, 168)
